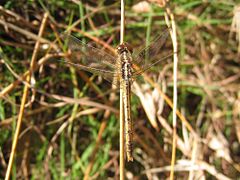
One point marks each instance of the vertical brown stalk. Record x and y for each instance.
(121, 157)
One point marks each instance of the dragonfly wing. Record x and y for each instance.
(112, 77)
(159, 50)
(88, 58)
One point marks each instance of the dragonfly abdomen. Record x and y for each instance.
(127, 119)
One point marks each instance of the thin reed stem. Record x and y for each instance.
(121, 158)
(122, 28)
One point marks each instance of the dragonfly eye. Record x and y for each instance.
(120, 48)
(129, 47)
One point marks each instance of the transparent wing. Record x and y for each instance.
(111, 77)
(159, 50)
(88, 58)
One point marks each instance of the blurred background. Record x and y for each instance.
(70, 126)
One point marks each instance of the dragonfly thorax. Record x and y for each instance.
(126, 65)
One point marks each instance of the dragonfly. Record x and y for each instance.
(121, 69)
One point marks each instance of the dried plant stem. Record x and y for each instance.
(175, 63)
(121, 158)
(122, 28)
(24, 99)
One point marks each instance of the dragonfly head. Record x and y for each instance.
(124, 48)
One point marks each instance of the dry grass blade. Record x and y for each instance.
(185, 165)
(81, 101)
(121, 117)
(175, 71)
(148, 103)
